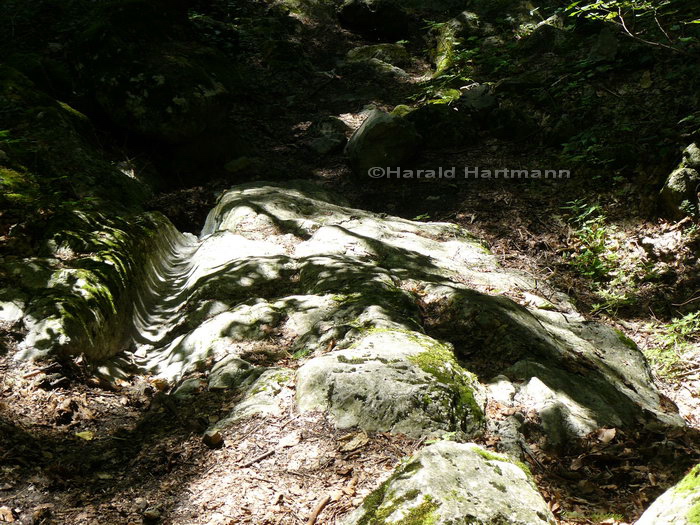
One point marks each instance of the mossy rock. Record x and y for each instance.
(384, 140)
(394, 54)
(396, 381)
(679, 505)
(448, 483)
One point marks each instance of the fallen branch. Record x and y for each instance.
(258, 458)
(314, 515)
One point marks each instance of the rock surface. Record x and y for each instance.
(679, 196)
(394, 381)
(383, 140)
(394, 54)
(394, 317)
(448, 483)
(680, 505)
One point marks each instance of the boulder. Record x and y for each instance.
(394, 54)
(383, 140)
(679, 196)
(394, 381)
(449, 483)
(679, 505)
(577, 376)
(454, 34)
(392, 319)
(85, 305)
(691, 157)
(329, 135)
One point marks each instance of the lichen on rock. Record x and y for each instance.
(448, 483)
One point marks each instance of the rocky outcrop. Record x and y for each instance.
(293, 267)
(86, 305)
(384, 324)
(394, 54)
(449, 483)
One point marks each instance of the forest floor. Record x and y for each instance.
(76, 450)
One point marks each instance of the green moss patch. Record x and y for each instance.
(439, 361)
(379, 505)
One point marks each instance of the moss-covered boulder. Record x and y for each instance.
(395, 381)
(679, 505)
(84, 303)
(448, 483)
(394, 54)
(679, 196)
(450, 36)
(50, 158)
(292, 269)
(391, 316)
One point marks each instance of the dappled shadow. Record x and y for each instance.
(134, 454)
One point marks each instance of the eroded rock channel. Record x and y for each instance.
(383, 324)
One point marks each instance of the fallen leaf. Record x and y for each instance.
(86, 435)
(160, 384)
(576, 464)
(6, 515)
(353, 441)
(606, 435)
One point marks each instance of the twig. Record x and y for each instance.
(648, 42)
(258, 458)
(656, 19)
(321, 505)
(691, 300)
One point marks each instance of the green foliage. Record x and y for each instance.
(590, 257)
(663, 23)
(682, 329)
(690, 125)
(674, 339)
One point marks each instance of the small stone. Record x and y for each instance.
(213, 439)
(151, 514)
(42, 512)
